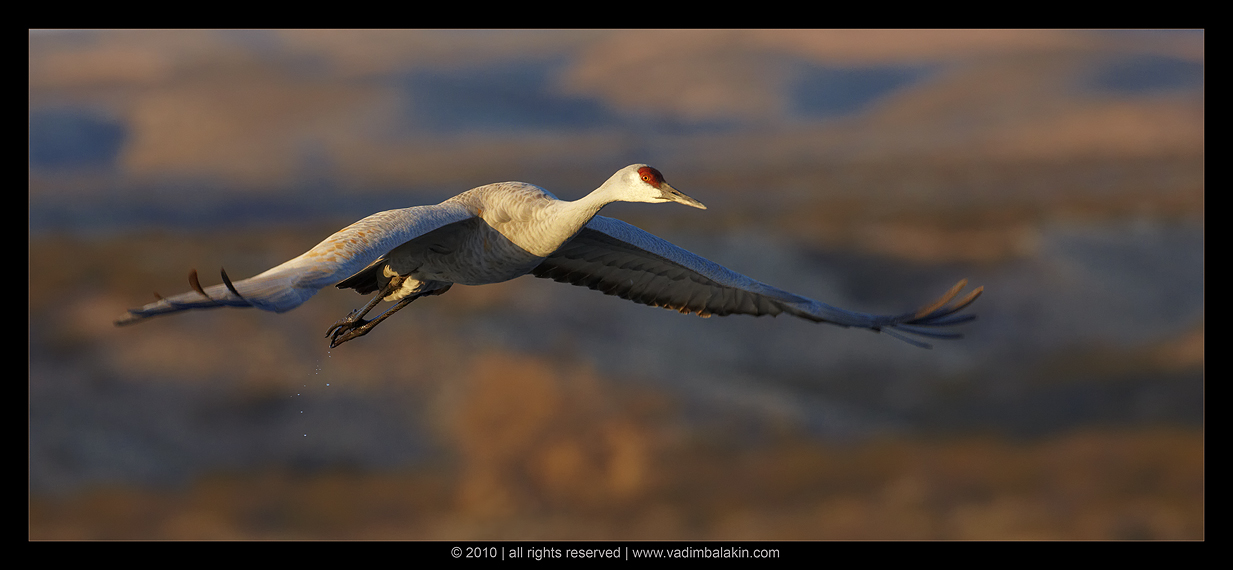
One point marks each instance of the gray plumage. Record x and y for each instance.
(501, 231)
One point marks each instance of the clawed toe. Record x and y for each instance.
(344, 326)
(343, 335)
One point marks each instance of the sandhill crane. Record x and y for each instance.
(500, 231)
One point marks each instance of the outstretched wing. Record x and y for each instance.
(619, 259)
(341, 255)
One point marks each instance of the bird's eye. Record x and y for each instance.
(650, 176)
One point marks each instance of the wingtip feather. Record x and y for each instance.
(941, 302)
(906, 339)
(195, 283)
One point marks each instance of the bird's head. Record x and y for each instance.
(642, 183)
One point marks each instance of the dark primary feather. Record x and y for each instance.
(604, 263)
(619, 259)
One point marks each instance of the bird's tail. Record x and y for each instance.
(274, 290)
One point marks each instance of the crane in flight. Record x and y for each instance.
(497, 232)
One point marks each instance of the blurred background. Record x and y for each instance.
(1062, 170)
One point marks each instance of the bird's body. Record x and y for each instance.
(497, 232)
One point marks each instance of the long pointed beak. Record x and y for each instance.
(675, 195)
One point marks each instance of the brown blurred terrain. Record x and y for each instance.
(1062, 170)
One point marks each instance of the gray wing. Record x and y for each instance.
(619, 259)
(341, 255)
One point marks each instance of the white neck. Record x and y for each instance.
(589, 205)
(564, 219)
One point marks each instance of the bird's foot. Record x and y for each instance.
(347, 328)
(354, 326)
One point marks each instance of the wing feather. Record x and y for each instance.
(339, 256)
(619, 259)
